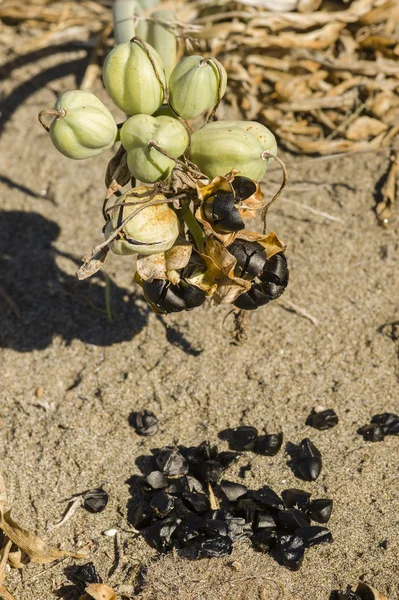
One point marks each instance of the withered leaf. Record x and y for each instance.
(4, 553)
(90, 267)
(4, 593)
(228, 290)
(271, 243)
(118, 174)
(151, 267)
(365, 127)
(37, 549)
(16, 559)
(98, 591)
(179, 255)
(3, 493)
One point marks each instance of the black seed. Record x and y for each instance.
(177, 486)
(199, 502)
(172, 300)
(372, 433)
(214, 527)
(210, 471)
(313, 535)
(95, 500)
(171, 462)
(265, 521)
(268, 497)
(322, 420)
(389, 422)
(243, 187)
(188, 529)
(309, 463)
(264, 540)
(192, 295)
(250, 256)
(85, 574)
(237, 528)
(161, 504)
(292, 551)
(276, 270)
(266, 291)
(292, 519)
(156, 480)
(269, 444)
(214, 547)
(145, 422)
(227, 458)
(220, 211)
(245, 302)
(247, 508)
(193, 484)
(159, 534)
(243, 438)
(295, 498)
(155, 289)
(233, 491)
(180, 509)
(348, 595)
(222, 514)
(320, 510)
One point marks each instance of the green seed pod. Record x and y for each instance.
(131, 79)
(83, 126)
(196, 84)
(145, 162)
(154, 229)
(126, 24)
(162, 39)
(219, 147)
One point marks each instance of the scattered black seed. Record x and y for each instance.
(95, 500)
(372, 433)
(313, 535)
(265, 521)
(292, 551)
(292, 519)
(237, 528)
(295, 498)
(320, 510)
(243, 437)
(85, 574)
(233, 491)
(193, 484)
(383, 544)
(389, 422)
(156, 480)
(197, 501)
(247, 509)
(269, 444)
(214, 547)
(145, 423)
(161, 504)
(324, 419)
(177, 486)
(227, 458)
(189, 528)
(264, 540)
(210, 471)
(171, 462)
(309, 463)
(348, 595)
(159, 534)
(268, 497)
(141, 515)
(213, 527)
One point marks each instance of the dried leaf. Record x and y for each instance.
(37, 549)
(118, 174)
(152, 266)
(3, 492)
(271, 243)
(99, 591)
(5, 551)
(365, 127)
(4, 593)
(92, 266)
(179, 255)
(228, 290)
(16, 559)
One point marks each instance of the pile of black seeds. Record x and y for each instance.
(184, 503)
(380, 426)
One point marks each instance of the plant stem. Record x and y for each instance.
(108, 297)
(194, 227)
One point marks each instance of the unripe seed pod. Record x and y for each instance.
(134, 77)
(162, 39)
(154, 229)
(221, 146)
(196, 84)
(126, 24)
(84, 127)
(145, 162)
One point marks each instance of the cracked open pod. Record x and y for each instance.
(82, 126)
(145, 162)
(145, 226)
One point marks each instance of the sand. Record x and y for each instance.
(94, 372)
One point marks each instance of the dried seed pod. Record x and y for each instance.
(95, 500)
(134, 77)
(323, 419)
(295, 498)
(243, 187)
(309, 463)
(292, 551)
(84, 127)
(269, 444)
(145, 162)
(320, 510)
(389, 422)
(145, 422)
(196, 84)
(154, 229)
(270, 284)
(372, 433)
(313, 535)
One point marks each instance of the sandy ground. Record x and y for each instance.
(94, 372)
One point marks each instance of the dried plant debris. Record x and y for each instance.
(98, 591)
(380, 426)
(322, 419)
(362, 592)
(185, 504)
(145, 422)
(29, 547)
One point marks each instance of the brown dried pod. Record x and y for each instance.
(98, 591)
(366, 592)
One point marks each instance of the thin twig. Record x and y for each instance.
(291, 307)
(313, 210)
(70, 511)
(266, 154)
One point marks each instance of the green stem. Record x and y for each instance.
(194, 227)
(108, 297)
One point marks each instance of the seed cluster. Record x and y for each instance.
(184, 503)
(380, 426)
